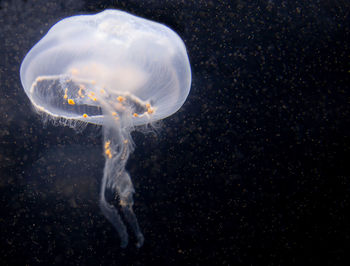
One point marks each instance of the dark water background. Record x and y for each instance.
(251, 171)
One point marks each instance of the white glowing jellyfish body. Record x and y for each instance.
(112, 69)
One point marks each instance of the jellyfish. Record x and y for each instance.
(111, 69)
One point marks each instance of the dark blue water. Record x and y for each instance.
(250, 171)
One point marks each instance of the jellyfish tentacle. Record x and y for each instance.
(125, 192)
(111, 213)
(118, 146)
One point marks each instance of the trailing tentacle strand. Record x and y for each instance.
(117, 147)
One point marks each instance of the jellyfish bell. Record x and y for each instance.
(114, 50)
(111, 69)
